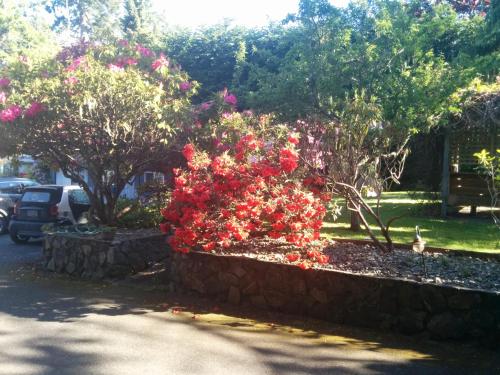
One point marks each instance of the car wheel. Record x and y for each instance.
(18, 239)
(3, 224)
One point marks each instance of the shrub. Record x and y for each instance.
(133, 214)
(244, 192)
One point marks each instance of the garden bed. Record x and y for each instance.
(358, 287)
(462, 269)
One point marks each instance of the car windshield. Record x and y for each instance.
(36, 197)
(78, 197)
(12, 187)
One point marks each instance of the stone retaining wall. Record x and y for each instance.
(97, 258)
(399, 305)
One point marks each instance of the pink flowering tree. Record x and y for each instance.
(113, 111)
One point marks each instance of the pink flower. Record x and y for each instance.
(123, 43)
(4, 82)
(71, 80)
(3, 97)
(75, 64)
(115, 68)
(34, 109)
(230, 99)
(247, 113)
(10, 114)
(130, 61)
(185, 86)
(160, 62)
(145, 52)
(206, 105)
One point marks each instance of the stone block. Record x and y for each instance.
(319, 295)
(446, 326)
(258, 301)
(233, 296)
(433, 299)
(251, 288)
(228, 278)
(463, 301)
(411, 322)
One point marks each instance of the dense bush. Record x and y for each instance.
(243, 192)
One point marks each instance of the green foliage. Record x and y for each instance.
(137, 18)
(21, 35)
(208, 54)
(133, 214)
(85, 19)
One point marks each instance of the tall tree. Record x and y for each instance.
(85, 19)
(138, 22)
(22, 35)
(111, 110)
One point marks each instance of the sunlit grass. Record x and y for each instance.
(463, 232)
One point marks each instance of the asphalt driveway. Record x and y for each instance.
(53, 325)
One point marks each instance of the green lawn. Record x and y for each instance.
(461, 232)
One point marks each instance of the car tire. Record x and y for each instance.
(18, 239)
(3, 224)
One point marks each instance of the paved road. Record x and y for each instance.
(52, 325)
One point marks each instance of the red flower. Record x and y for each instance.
(164, 227)
(304, 265)
(292, 257)
(322, 259)
(293, 138)
(188, 151)
(209, 246)
(288, 160)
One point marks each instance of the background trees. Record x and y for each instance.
(405, 59)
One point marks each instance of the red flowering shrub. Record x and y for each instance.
(244, 192)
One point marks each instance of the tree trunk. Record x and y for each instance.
(355, 222)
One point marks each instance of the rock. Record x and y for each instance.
(51, 265)
(319, 295)
(446, 326)
(411, 322)
(87, 249)
(433, 299)
(111, 256)
(298, 286)
(70, 268)
(233, 297)
(275, 299)
(251, 288)
(196, 284)
(258, 301)
(102, 258)
(228, 278)
(238, 271)
(464, 301)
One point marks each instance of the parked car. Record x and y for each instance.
(11, 189)
(44, 204)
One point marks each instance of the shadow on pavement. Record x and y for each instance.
(281, 343)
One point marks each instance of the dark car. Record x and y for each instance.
(11, 189)
(44, 204)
